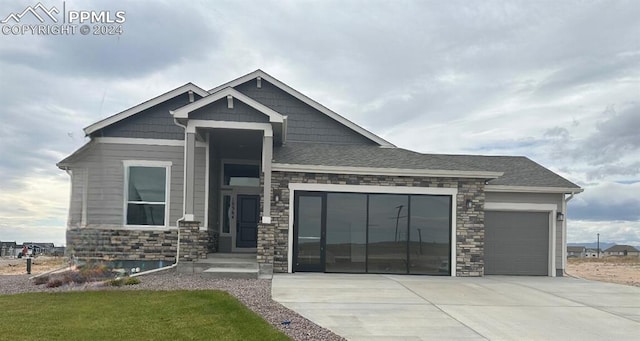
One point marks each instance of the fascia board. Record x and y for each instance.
(384, 171)
(143, 106)
(531, 189)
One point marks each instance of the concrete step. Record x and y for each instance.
(223, 265)
(219, 255)
(231, 273)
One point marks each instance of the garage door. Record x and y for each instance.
(516, 243)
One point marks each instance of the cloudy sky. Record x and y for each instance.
(557, 81)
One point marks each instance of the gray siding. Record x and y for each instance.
(305, 124)
(105, 192)
(219, 111)
(153, 123)
(536, 198)
(75, 202)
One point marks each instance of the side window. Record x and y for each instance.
(146, 194)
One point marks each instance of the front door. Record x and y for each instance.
(309, 222)
(247, 221)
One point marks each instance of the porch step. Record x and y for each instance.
(224, 265)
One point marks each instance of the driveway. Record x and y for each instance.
(385, 307)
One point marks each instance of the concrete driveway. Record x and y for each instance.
(386, 307)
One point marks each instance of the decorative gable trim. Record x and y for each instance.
(260, 75)
(183, 112)
(189, 87)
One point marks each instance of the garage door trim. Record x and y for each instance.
(530, 207)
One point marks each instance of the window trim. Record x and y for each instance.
(167, 193)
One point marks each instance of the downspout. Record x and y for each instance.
(166, 267)
(564, 233)
(175, 121)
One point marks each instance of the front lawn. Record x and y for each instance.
(132, 315)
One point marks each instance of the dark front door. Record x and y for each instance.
(247, 222)
(310, 231)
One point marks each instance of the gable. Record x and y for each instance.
(305, 124)
(153, 123)
(220, 111)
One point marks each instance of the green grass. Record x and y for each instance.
(132, 315)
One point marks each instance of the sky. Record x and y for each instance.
(556, 81)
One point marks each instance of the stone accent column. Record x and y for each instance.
(266, 242)
(470, 229)
(193, 242)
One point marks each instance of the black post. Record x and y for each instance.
(598, 250)
(28, 265)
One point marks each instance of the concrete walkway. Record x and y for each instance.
(389, 307)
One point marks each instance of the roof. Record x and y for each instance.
(576, 248)
(518, 171)
(621, 248)
(513, 171)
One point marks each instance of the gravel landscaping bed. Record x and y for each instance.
(255, 294)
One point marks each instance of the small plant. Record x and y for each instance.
(54, 283)
(131, 281)
(41, 280)
(117, 282)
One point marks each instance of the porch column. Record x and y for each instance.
(189, 174)
(267, 156)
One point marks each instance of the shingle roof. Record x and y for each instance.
(363, 156)
(621, 248)
(576, 248)
(518, 171)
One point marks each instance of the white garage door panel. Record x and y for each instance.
(516, 243)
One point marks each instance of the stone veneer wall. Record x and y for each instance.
(94, 243)
(129, 244)
(193, 242)
(469, 229)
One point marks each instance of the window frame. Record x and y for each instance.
(243, 162)
(127, 164)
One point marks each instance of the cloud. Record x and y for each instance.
(607, 201)
(155, 36)
(611, 231)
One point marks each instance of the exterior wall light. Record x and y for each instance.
(560, 216)
(469, 203)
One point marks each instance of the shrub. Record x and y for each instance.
(117, 282)
(131, 281)
(54, 283)
(41, 280)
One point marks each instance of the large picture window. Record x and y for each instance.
(373, 232)
(146, 193)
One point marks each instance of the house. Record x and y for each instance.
(576, 251)
(622, 250)
(593, 253)
(7, 249)
(255, 166)
(39, 248)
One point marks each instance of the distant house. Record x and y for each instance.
(622, 250)
(40, 248)
(576, 251)
(7, 249)
(593, 253)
